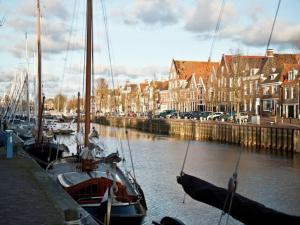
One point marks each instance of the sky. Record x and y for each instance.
(144, 37)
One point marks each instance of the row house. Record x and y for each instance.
(187, 84)
(273, 75)
(130, 98)
(261, 85)
(290, 90)
(144, 97)
(153, 96)
(250, 83)
(235, 84)
(163, 96)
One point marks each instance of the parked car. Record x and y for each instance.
(195, 115)
(215, 115)
(120, 114)
(166, 112)
(243, 117)
(185, 115)
(131, 114)
(173, 115)
(205, 114)
(225, 117)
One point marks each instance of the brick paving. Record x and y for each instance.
(29, 196)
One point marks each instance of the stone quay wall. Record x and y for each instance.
(270, 138)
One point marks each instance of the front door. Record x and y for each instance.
(291, 111)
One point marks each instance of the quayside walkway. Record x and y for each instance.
(29, 196)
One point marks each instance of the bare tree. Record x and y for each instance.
(59, 102)
(2, 21)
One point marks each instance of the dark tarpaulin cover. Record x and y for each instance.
(243, 209)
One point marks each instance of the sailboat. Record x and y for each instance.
(97, 183)
(40, 148)
(241, 208)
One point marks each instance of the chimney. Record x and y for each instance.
(270, 53)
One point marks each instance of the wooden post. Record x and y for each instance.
(89, 16)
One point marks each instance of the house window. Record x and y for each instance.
(230, 82)
(273, 76)
(292, 74)
(250, 87)
(286, 93)
(274, 89)
(266, 90)
(292, 93)
(253, 71)
(267, 105)
(245, 90)
(231, 96)
(239, 82)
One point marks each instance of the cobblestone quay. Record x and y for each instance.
(30, 197)
(270, 138)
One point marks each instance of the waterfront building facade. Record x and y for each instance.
(265, 85)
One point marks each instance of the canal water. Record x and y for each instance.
(273, 180)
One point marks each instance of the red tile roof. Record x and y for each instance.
(284, 74)
(143, 86)
(185, 69)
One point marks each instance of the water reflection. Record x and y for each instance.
(268, 178)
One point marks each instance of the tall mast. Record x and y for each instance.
(78, 112)
(27, 82)
(39, 72)
(89, 16)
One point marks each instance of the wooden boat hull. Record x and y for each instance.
(63, 132)
(44, 152)
(132, 214)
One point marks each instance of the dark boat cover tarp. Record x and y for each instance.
(243, 209)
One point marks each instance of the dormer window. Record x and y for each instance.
(273, 76)
(253, 71)
(291, 75)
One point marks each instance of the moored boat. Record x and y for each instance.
(42, 149)
(101, 188)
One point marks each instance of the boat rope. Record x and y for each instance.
(273, 25)
(231, 189)
(232, 184)
(215, 34)
(84, 56)
(109, 53)
(108, 44)
(126, 132)
(185, 156)
(183, 164)
(75, 8)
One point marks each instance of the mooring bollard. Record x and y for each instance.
(9, 144)
(72, 216)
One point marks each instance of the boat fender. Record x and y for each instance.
(169, 221)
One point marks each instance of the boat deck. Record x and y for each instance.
(29, 196)
(73, 175)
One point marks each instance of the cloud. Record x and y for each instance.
(154, 12)
(49, 8)
(7, 76)
(257, 34)
(203, 17)
(53, 43)
(123, 73)
(253, 30)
